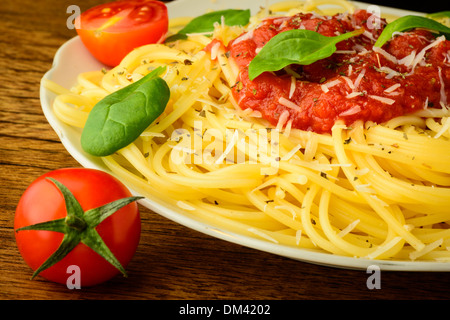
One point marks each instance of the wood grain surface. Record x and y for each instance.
(172, 261)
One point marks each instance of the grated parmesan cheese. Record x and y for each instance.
(359, 78)
(184, 205)
(283, 119)
(249, 112)
(353, 94)
(420, 56)
(364, 188)
(417, 254)
(293, 87)
(153, 134)
(390, 73)
(345, 51)
(287, 103)
(287, 129)
(215, 50)
(408, 60)
(350, 111)
(444, 128)
(230, 146)
(291, 153)
(348, 229)
(383, 248)
(326, 86)
(369, 35)
(244, 37)
(289, 209)
(298, 236)
(349, 82)
(382, 99)
(262, 234)
(393, 88)
(385, 54)
(384, 204)
(361, 172)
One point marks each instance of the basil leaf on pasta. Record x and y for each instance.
(205, 23)
(120, 118)
(297, 46)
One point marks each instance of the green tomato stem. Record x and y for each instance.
(76, 223)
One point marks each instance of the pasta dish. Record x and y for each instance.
(348, 155)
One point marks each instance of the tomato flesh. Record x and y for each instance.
(42, 201)
(111, 31)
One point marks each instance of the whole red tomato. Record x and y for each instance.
(110, 31)
(44, 201)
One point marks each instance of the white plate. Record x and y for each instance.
(73, 58)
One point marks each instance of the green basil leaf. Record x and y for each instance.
(205, 23)
(407, 23)
(120, 118)
(295, 46)
(439, 15)
(175, 37)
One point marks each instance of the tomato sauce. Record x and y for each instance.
(355, 83)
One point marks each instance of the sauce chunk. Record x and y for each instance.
(358, 82)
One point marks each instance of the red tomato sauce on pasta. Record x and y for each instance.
(410, 73)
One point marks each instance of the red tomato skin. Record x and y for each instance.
(42, 201)
(112, 44)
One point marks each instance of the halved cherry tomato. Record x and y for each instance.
(43, 201)
(110, 31)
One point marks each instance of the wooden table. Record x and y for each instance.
(172, 261)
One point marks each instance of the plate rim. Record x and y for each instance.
(177, 215)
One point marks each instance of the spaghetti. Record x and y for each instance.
(376, 191)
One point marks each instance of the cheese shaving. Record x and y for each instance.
(293, 87)
(382, 99)
(417, 254)
(283, 119)
(287, 103)
(393, 88)
(385, 54)
(262, 234)
(291, 153)
(444, 128)
(349, 82)
(353, 95)
(348, 229)
(383, 248)
(443, 100)
(326, 86)
(408, 60)
(359, 78)
(244, 37)
(215, 50)
(185, 206)
(421, 54)
(351, 111)
(298, 236)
